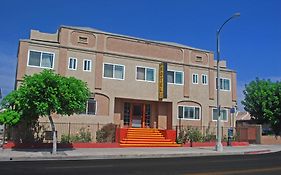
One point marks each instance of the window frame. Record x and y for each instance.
(145, 73)
(220, 86)
(90, 65)
(194, 112)
(225, 109)
(204, 75)
(113, 78)
(86, 112)
(174, 71)
(76, 63)
(197, 75)
(32, 50)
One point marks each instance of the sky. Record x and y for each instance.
(251, 44)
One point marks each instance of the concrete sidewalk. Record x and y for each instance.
(120, 153)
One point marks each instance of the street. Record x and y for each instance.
(233, 164)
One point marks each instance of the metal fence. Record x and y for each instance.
(41, 131)
(206, 131)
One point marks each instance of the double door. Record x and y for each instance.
(137, 115)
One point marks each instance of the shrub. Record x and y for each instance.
(82, 136)
(194, 135)
(106, 133)
(182, 137)
(209, 137)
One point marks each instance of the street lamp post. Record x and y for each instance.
(219, 146)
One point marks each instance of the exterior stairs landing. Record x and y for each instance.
(146, 137)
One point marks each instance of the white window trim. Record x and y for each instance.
(175, 77)
(145, 68)
(220, 87)
(221, 119)
(194, 113)
(197, 78)
(90, 65)
(95, 109)
(113, 71)
(75, 65)
(53, 64)
(206, 79)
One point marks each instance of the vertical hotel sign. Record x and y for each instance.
(162, 85)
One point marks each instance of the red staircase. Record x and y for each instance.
(146, 137)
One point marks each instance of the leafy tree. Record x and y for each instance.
(9, 117)
(47, 93)
(263, 102)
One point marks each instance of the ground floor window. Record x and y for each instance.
(224, 114)
(189, 112)
(91, 107)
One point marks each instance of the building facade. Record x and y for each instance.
(134, 82)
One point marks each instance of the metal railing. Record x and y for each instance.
(41, 131)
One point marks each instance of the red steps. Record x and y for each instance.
(146, 137)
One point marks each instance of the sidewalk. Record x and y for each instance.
(120, 153)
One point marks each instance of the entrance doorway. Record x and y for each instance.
(137, 115)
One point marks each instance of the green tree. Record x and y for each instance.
(263, 102)
(9, 117)
(47, 93)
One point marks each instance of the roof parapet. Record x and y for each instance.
(40, 36)
(222, 63)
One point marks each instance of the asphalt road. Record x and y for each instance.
(217, 165)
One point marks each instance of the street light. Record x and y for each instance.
(219, 146)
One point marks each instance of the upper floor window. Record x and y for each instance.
(114, 71)
(145, 74)
(204, 79)
(91, 107)
(72, 62)
(224, 114)
(195, 78)
(41, 59)
(175, 77)
(189, 112)
(87, 65)
(82, 39)
(224, 84)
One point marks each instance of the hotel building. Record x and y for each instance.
(134, 82)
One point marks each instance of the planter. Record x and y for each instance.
(12, 145)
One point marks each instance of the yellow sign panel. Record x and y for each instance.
(161, 81)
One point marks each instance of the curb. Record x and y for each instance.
(258, 152)
(133, 156)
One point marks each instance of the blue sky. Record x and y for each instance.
(251, 44)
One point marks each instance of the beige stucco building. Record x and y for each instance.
(123, 75)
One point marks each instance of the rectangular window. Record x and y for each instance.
(188, 112)
(87, 65)
(204, 79)
(41, 59)
(224, 84)
(83, 39)
(72, 63)
(114, 71)
(224, 114)
(91, 107)
(199, 59)
(195, 78)
(145, 74)
(175, 77)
